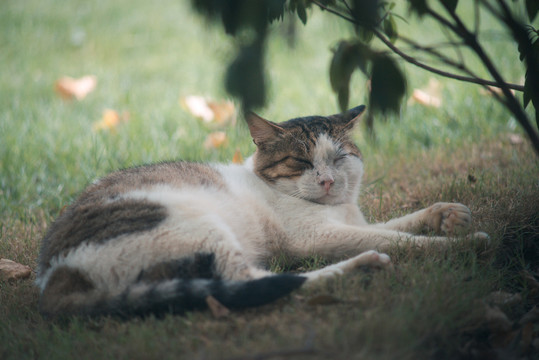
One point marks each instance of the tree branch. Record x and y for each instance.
(511, 102)
(414, 61)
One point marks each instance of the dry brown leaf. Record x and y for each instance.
(237, 158)
(216, 140)
(110, 120)
(496, 320)
(224, 112)
(217, 309)
(209, 111)
(69, 87)
(10, 270)
(428, 96)
(530, 279)
(527, 337)
(531, 316)
(423, 98)
(515, 139)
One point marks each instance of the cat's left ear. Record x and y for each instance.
(262, 130)
(350, 118)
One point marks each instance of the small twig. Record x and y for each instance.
(477, 18)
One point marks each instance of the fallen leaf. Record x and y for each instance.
(198, 107)
(531, 316)
(428, 96)
(110, 120)
(515, 139)
(496, 320)
(423, 98)
(224, 112)
(216, 140)
(527, 337)
(324, 299)
(10, 270)
(237, 158)
(530, 279)
(209, 111)
(217, 309)
(69, 87)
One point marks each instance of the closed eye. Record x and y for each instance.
(303, 162)
(339, 158)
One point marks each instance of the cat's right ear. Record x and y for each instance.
(261, 129)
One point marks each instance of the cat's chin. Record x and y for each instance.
(328, 199)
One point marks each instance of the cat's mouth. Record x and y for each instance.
(326, 199)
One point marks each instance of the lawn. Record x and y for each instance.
(438, 303)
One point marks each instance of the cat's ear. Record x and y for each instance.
(351, 117)
(261, 129)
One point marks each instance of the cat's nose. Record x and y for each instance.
(326, 183)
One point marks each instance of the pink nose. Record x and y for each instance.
(327, 184)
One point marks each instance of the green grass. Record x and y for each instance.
(145, 57)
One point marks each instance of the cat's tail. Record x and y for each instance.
(180, 295)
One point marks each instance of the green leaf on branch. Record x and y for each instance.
(346, 58)
(388, 85)
(302, 14)
(245, 76)
(365, 12)
(275, 10)
(343, 95)
(532, 6)
(390, 28)
(419, 7)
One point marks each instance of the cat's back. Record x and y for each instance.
(127, 202)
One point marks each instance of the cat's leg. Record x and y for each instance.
(341, 241)
(444, 218)
(369, 258)
(231, 260)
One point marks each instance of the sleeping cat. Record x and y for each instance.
(165, 237)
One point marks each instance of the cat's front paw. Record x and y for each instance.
(449, 218)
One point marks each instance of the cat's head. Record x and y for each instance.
(312, 157)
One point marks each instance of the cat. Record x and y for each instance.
(164, 237)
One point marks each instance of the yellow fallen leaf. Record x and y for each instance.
(216, 140)
(210, 112)
(224, 112)
(110, 120)
(10, 270)
(69, 87)
(429, 95)
(237, 158)
(198, 107)
(423, 98)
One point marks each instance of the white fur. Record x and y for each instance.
(251, 220)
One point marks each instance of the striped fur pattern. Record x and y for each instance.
(165, 237)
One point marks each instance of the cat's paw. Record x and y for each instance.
(369, 258)
(449, 218)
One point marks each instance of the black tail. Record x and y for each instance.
(180, 295)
